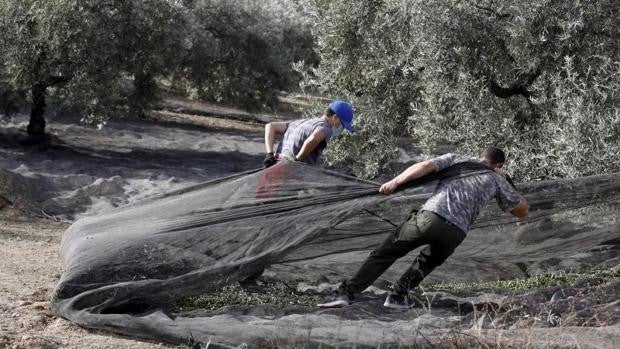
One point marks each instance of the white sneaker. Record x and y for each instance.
(335, 300)
(398, 301)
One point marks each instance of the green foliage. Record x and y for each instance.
(103, 58)
(367, 57)
(280, 295)
(595, 277)
(81, 51)
(277, 294)
(537, 78)
(242, 51)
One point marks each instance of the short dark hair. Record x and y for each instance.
(329, 112)
(495, 155)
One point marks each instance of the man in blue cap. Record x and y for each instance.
(304, 140)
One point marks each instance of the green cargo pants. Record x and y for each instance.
(423, 228)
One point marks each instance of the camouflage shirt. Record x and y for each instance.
(460, 199)
(296, 134)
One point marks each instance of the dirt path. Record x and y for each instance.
(30, 266)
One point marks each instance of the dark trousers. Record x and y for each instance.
(423, 228)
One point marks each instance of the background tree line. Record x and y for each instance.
(539, 78)
(81, 54)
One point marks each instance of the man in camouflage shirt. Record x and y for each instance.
(441, 223)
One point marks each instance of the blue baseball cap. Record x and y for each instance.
(344, 112)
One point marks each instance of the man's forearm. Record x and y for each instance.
(307, 148)
(270, 136)
(415, 171)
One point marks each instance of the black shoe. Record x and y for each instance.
(251, 283)
(251, 286)
(335, 300)
(398, 301)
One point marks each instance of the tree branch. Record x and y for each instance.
(519, 87)
(492, 11)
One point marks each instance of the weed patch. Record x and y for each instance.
(274, 293)
(592, 278)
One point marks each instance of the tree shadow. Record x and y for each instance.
(97, 162)
(161, 161)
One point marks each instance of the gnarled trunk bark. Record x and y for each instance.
(36, 126)
(144, 93)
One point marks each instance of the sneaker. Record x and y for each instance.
(398, 301)
(251, 286)
(251, 283)
(335, 300)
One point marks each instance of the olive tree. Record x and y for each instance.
(104, 58)
(242, 51)
(367, 51)
(81, 51)
(537, 78)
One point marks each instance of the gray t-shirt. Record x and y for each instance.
(460, 199)
(296, 134)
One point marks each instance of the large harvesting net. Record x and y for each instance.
(122, 268)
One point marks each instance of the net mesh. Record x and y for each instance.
(122, 268)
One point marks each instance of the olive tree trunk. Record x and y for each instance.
(36, 126)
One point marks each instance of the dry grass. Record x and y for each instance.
(206, 121)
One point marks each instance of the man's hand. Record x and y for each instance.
(388, 187)
(522, 209)
(270, 160)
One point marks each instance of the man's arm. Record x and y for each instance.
(271, 130)
(414, 171)
(310, 144)
(522, 208)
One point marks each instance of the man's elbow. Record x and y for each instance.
(428, 166)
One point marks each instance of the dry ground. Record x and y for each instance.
(30, 266)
